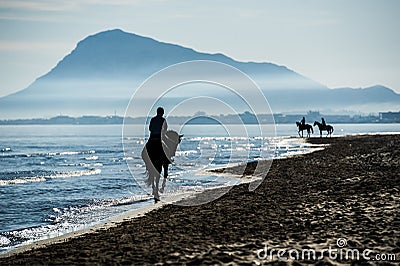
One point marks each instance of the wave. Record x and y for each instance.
(30, 179)
(68, 214)
(4, 241)
(69, 219)
(44, 154)
(227, 138)
(75, 173)
(92, 158)
(185, 153)
(90, 164)
(21, 181)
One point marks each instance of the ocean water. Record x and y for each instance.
(56, 179)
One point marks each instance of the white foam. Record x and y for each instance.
(69, 153)
(92, 158)
(90, 164)
(75, 173)
(184, 153)
(4, 241)
(43, 178)
(21, 181)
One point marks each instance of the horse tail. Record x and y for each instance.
(149, 180)
(149, 166)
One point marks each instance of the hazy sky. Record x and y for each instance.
(335, 42)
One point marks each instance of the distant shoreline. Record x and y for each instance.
(244, 118)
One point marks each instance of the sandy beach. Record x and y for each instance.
(349, 191)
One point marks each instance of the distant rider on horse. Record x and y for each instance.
(303, 126)
(323, 122)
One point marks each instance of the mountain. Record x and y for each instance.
(99, 76)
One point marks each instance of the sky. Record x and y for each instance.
(338, 43)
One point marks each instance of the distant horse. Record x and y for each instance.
(307, 127)
(157, 157)
(327, 128)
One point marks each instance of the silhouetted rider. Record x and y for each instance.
(323, 121)
(158, 125)
(303, 122)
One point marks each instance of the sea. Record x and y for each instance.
(57, 179)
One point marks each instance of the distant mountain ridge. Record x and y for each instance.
(118, 54)
(100, 74)
(134, 53)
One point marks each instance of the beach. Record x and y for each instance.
(346, 194)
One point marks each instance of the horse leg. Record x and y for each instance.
(299, 133)
(155, 184)
(151, 181)
(165, 167)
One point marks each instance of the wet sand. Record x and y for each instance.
(349, 190)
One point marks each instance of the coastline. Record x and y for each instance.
(303, 148)
(103, 225)
(282, 211)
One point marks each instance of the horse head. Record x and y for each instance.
(152, 155)
(316, 123)
(171, 141)
(173, 137)
(298, 123)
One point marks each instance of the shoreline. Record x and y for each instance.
(116, 220)
(306, 200)
(103, 225)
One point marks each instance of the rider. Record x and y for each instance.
(303, 121)
(158, 125)
(323, 121)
